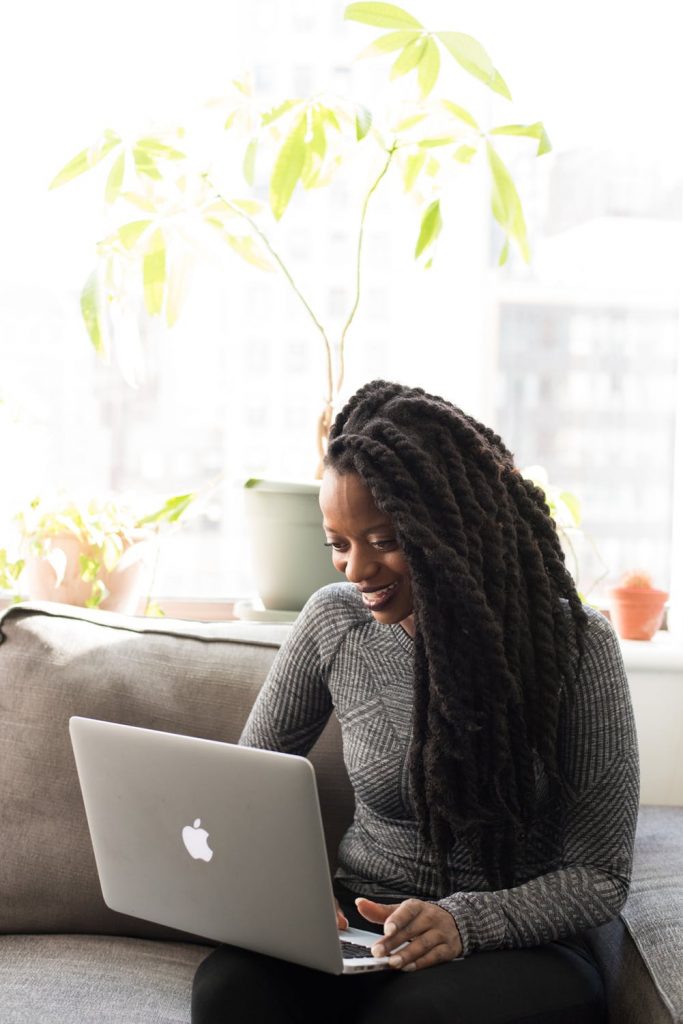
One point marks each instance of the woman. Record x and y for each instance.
(487, 733)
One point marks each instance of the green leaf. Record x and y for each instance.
(381, 15)
(112, 549)
(112, 189)
(145, 163)
(573, 506)
(142, 202)
(504, 253)
(246, 247)
(472, 56)
(388, 43)
(363, 122)
(98, 594)
(288, 168)
(130, 233)
(409, 122)
(91, 312)
(329, 115)
(430, 227)
(170, 512)
(88, 568)
(159, 149)
(249, 162)
(412, 168)
(445, 140)
(505, 202)
(253, 481)
(428, 68)
(277, 112)
(464, 154)
(250, 206)
(86, 159)
(409, 58)
(154, 272)
(457, 111)
(177, 282)
(153, 610)
(531, 131)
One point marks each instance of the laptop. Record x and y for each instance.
(221, 841)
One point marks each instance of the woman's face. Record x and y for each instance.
(364, 547)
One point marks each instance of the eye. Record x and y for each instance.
(336, 545)
(384, 545)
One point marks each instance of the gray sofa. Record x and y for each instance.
(64, 956)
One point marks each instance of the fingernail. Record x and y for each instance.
(395, 961)
(409, 967)
(378, 951)
(389, 928)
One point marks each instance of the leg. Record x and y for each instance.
(552, 984)
(235, 986)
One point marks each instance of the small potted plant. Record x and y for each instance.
(636, 607)
(97, 553)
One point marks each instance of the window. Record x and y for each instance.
(574, 359)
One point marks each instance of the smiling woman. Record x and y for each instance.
(495, 807)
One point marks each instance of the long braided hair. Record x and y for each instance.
(494, 643)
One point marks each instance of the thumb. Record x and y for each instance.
(375, 912)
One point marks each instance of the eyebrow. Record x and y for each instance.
(370, 529)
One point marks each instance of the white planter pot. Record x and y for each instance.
(289, 558)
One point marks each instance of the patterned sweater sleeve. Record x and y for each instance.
(294, 702)
(599, 752)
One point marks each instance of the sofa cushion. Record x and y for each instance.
(58, 978)
(199, 679)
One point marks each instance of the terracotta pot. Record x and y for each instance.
(48, 580)
(637, 612)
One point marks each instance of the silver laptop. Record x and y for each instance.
(221, 841)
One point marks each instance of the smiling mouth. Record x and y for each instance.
(376, 599)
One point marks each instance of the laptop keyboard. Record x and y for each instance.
(352, 951)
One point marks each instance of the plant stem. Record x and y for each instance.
(342, 340)
(257, 230)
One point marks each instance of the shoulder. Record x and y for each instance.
(598, 718)
(329, 616)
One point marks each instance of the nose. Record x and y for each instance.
(360, 565)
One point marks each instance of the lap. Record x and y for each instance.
(552, 984)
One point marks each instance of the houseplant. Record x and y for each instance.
(636, 607)
(165, 198)
(98, 552)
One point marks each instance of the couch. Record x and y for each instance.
(64, 956)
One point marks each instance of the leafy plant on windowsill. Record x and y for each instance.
(163, 199)
(565, 508)
(105, 528)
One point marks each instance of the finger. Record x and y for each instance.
(375, 912)
(416, 949)
(404, 923)
(437, 955)
(342, 921)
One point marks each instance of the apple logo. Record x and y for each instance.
(195, 839)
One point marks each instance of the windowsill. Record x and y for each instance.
(664, 653)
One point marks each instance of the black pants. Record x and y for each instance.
(553, 984)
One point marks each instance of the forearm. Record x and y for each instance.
(558, 904)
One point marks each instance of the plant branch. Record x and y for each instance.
(342, 340)
(266, 241)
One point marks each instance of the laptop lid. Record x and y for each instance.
(221, 841)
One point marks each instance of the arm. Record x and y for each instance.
(600, 762)
(294, 703)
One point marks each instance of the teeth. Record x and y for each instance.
(378, 595)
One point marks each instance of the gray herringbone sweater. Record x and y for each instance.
(576, 866)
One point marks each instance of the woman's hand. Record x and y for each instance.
(342, 923)
(430, 932)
